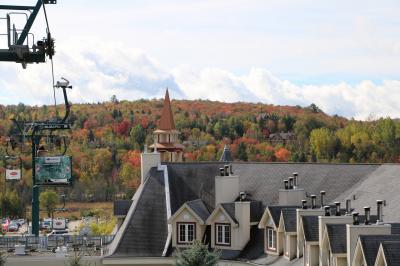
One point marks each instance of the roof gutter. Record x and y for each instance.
(164, 168)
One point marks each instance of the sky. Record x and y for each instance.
(344, 56)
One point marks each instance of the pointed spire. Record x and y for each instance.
(167, 119)
(226, 155)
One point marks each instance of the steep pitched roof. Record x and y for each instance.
(337, 238)
(230, 209)
(370, 245)
(226, 155)
(275, 212)
(289, 219)
(146, 233)
(199, 208)
(121, 207)
(147, 229)
(167, 119)
(391, 249)
(310, 227)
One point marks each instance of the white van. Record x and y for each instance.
(58, 233)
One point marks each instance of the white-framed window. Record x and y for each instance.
(271, 238)
(186, 233)
(223, 234)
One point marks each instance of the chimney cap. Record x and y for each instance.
(379, 201)
(295, 173)
(323, 192)
(367, 208)
(313, 196)
(337, 203)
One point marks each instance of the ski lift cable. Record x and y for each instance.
(51, 58)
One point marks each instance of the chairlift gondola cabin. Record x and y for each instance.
(13, 166)
(53, 171)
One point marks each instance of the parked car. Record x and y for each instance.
(58, 232)
(20, 222)
(46, 224)
(13, 227)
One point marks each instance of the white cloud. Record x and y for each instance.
(99, 70)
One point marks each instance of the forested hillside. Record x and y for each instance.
(106, 139)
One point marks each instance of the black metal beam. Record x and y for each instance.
(10, 7)
(31, 57)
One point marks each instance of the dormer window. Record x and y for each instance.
(223, 234)
(271, 238)
(186, 233)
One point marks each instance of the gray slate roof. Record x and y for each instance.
(146, 233)
(289, 219)
(230, 209)
(121, 207)
(391, 249)
(337, 238)
(147, 230)
(199, 208)
(310, 227)
(382, 184)
(370, 245)
(276, 210)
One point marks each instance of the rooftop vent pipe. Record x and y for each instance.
(222, 171)
(243, 196)
(290, 182)
(231, 169)
(286, 182)
(322, 198)
(313, 201)
(226, 170)
(348, 206)
(295, 180)
(356, 220)
(367, 211)
(379, 205)
(327, 210)
(304, 204)
(337, 204)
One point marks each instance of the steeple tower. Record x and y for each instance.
(166, 136)
(167, 119)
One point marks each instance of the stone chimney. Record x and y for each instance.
(226, 186)
(147, 161)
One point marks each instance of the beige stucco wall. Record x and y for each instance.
(148, 160)
(240, 235)
(291, 196)
(185, 216)
(340, 261)
(290, 246)
(313, 255)
(226, 189)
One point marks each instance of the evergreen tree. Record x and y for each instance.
(197, 255)
(242, 153)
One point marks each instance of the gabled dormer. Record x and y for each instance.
(273, 230)
(189, 223)
(230, 225)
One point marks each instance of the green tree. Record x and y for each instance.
(197, 255)
(48, 201)
(138, 135)
(242, 153)
(323, 142)
(3, 258)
